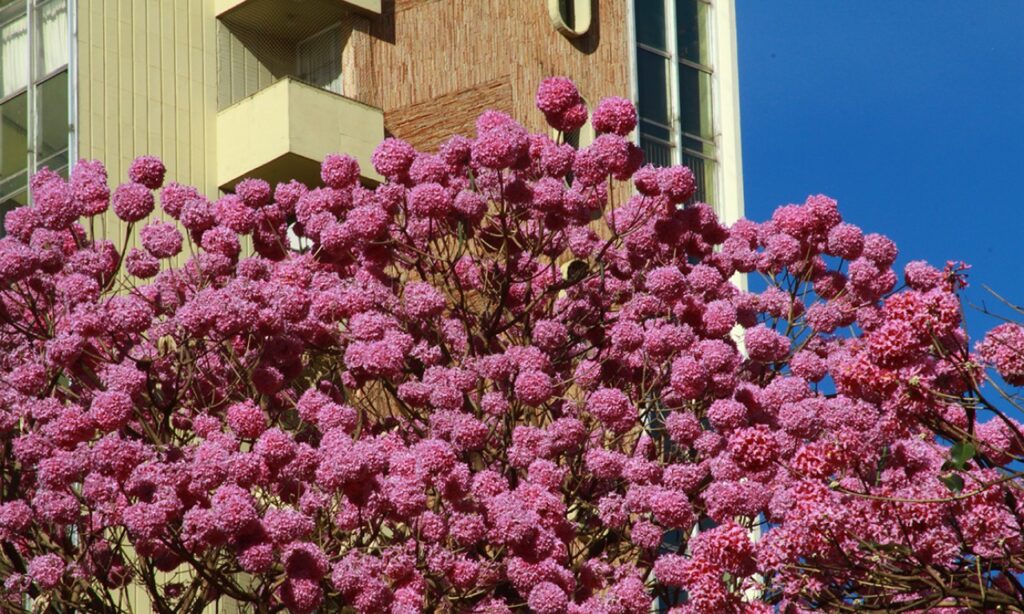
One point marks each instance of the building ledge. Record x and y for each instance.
(289, 20)
(283, 132)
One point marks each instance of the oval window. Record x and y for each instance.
(570, 17)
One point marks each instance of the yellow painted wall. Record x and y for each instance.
(147, 84)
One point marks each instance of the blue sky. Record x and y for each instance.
(910, 113)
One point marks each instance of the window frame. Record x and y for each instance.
(680, 142)
(31, 10)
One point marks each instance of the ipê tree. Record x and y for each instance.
(484, 387)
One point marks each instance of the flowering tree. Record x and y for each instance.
(496, 382)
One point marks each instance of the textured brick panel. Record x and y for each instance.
(428, 124)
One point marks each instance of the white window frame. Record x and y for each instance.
(33, 125)
(676, 142)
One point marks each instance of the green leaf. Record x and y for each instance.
(960, 453)
(953, 482)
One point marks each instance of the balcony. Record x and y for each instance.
(283, 131)
(289, 20)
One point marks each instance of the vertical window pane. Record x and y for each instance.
(652, 82)
(53, 36)
(656, 151)
(13, 53)
(650, 23)
(53, 119)
(691, 30)
(319, 59)
(13, 143)
(695, 102)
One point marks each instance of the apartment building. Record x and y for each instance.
(224, 89)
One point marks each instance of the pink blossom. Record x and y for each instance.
(1003, 348)
(423, 300)
(765, 344)
(846, 241)
(46, 570)
(557, 95)
(677, 183)
(141, 264)
(614, 115)
(689, 377)
(570, 119)
(753, 448)
(246, 419)
(132, 202)
(393, 157)
(430, 200)
(612, 407)
(148, 171)
(232, 212)
(161, 239)
(880, 250)
(422, 383)
(111, 410)
(89, 188)
(548, 598)
(173, 197)
(339, 171)
(500, 146)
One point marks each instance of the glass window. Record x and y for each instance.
(695, 102)
(652, 80)
(31, 138)
(53, 37)
(691, 20)
(53, 119)
(650, 23)
(674, 87)
(319, 60)
(703, 171)
(13, 140)
(13, 51)
(656, 151)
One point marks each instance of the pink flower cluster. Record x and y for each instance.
(499, 380)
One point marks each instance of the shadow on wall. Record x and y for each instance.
(382, 26)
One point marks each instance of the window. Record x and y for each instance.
(673, 68)
(318, 59)
(35, 127)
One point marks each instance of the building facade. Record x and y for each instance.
(226, 89)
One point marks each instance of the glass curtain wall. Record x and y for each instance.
(674, 69)
(35, 127)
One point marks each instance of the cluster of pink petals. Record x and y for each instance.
(501, 379)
